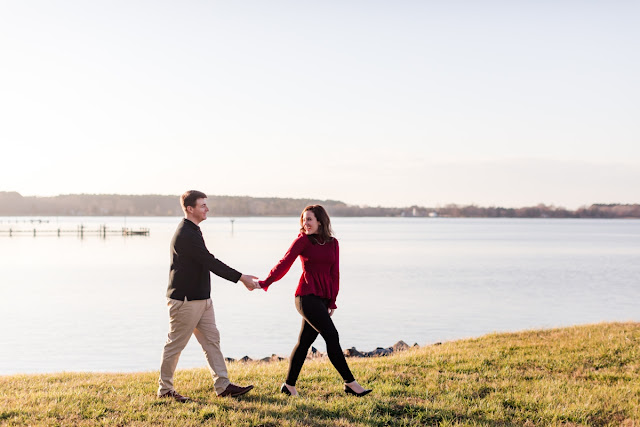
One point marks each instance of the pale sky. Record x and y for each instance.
(380, 103)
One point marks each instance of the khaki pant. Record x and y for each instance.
(186, 318)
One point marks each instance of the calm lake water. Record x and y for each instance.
(94, 304)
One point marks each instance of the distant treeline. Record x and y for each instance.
(14, 204)
(540, 211)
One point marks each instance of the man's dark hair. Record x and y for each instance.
(189, 198)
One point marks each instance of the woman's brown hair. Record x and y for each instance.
(325, 233)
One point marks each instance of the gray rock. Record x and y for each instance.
(400, 346)
(273, 358)
(352, 352)
(379, 352)
(314, 353)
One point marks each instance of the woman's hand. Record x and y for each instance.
(331, 310)
(250, 282)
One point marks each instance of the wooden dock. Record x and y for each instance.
(102, 231)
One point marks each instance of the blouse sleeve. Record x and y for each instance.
(283, 266)
(335, 277)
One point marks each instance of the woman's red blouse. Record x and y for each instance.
(320, 268)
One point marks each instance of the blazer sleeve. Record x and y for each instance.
(283, 266)
(335, 277)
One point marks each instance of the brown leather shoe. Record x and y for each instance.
(235, 390)
(173, 395)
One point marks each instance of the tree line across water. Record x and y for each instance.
(14, 204)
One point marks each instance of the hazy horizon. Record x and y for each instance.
(492, 103)
(209, 194)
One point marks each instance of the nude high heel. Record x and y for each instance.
(284, 389)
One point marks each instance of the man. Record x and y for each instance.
(189, 300)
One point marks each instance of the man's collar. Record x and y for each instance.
(191, 223)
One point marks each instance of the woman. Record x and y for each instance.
(315, 295)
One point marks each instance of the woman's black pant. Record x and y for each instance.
(316, 320)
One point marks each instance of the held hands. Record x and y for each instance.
(250, 282)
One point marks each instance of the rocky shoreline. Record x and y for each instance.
(350, 352)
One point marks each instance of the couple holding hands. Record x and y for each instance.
(191, 309)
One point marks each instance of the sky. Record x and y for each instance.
(378, 103)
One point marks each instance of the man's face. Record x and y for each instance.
(199, 212)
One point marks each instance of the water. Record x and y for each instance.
(93, 304)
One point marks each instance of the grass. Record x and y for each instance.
(584, 375)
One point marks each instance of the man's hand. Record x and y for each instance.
(331, 310)
(250, 282)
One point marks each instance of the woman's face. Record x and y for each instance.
(310, 223)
